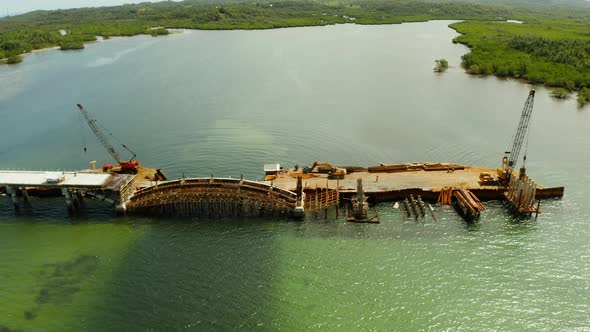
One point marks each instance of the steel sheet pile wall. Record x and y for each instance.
(521, 194)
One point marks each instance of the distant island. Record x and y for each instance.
(549, 44)
(441, 65)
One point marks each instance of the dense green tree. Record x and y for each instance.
(573, 52)
(159, 32)
(13, 59)
(441, 65)
(583, 96)
(560, 93)
(71, 44)
(550, 52)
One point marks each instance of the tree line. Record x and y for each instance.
(544, 51)
(39, 29)
(552, 47)
(574, 52)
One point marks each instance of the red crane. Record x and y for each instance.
(126, 166)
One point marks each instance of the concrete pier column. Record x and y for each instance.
(299, 211)
(25, 194)
(121, 208)
(76, 198)
(299, 190)
(79, 196)
(67, 193)
(360, 192)
(12, 192)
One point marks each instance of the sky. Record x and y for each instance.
(14, 7)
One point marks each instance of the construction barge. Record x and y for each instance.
(462, 186)
(397, 182)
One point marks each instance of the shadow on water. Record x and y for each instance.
(60, 282)
(472, 226)
(206, 275)
(4, 328)
(54, 211)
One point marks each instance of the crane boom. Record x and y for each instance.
(101, 137)
(521, 130)
(126, 165)
(511, 157)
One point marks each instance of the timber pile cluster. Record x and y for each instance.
(469, 200)
(394, 168)
(414, 207)
(414, 167)
(445, 196)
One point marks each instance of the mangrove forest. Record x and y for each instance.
(550, 43)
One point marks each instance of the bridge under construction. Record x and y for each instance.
(284, 193)
(132, 188)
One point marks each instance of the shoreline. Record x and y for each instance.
(99, 39)
(3, 61)
(45, 49)
(42, 50)
(177, 30)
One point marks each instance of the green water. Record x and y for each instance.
(204, 102)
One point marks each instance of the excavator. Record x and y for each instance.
(511, 157)
(125, 166)
(332, 171)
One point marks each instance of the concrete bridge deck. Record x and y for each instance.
(115, 188)
(65, 179)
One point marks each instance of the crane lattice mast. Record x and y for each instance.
(520, 134)
(101, 137)
(511, 157)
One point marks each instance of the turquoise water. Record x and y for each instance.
(225, 103)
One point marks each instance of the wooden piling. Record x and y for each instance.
(315, 206)
(414, 207)
(402, 211)
(432, 212)
(421, 206)
(407, 208)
